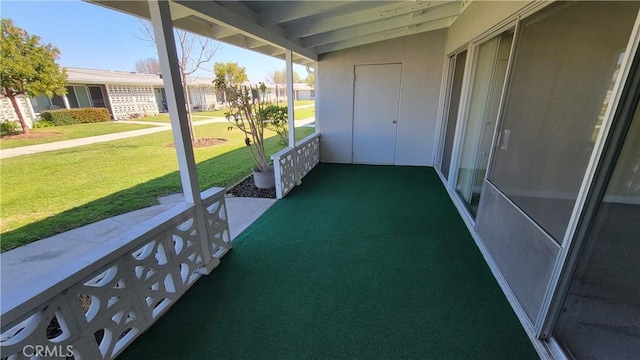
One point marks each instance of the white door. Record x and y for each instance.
(375, 113)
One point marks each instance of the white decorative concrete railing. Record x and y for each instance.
(100, 309)
(291, 164)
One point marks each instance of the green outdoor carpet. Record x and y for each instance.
(360, 262)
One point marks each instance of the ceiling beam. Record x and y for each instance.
(218, 14)
(386, 35)
(438, 13)
(378, 13)
(252, 43)
(202, 27)
(178, 12)
(289, 11)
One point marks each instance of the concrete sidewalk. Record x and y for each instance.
(65, 144)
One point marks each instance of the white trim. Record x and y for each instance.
(495, 141)
(461, 120)
(444, 101)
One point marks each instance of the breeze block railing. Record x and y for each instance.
(291, 164)
(100, 309)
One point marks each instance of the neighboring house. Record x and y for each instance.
(302, 91)
(125, 94)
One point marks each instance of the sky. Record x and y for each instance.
(90, 36)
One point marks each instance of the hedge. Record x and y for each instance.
(75, 116)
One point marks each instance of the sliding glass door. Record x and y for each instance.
(567, 60)
(456, 75)
(490, 62)
(600, 317)
(566, 65)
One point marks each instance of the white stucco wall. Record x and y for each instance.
(422, 57)
(202, 97)
(127, 100)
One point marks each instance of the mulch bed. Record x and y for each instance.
(204, 142)
(246, 188)
(34, 135)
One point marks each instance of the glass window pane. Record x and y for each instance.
(567, 58)
(71, 97)
(452, 117)
(81, 95)
(600, 318)
(56, 102)
(96, 96)
(491, 62)
(40, 103)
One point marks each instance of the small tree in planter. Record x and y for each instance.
(247, 114)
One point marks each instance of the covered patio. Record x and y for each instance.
(512, 128)
(369, 262)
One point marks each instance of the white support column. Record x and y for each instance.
(291, 113)
(290, 99)
(175, 97)
(65, 101)
(32, 113)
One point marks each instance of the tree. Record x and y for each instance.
(194, 52)
(279, 77)
(148, 66)
(28, 67)
(310, 80)
(231, 72)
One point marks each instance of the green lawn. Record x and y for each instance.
(48, 193)
(304, 102)
(164, 118)
(58, 133)
(217, 113)
(298, 102)
(304, 113)
(299, 113)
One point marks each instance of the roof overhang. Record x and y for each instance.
(308, 28)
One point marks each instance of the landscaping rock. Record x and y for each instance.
(246, 188)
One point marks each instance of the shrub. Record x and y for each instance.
(75, 116)
(9, 127)
(275, 119)
(41, 124)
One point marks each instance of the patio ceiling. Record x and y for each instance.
(308, 28)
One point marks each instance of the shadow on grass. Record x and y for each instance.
(222, 171)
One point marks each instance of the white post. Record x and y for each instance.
(291, 119)
(292, 127)
(65, 101)
(32, 113)
(168, 56)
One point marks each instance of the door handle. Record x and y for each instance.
(394, 122)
